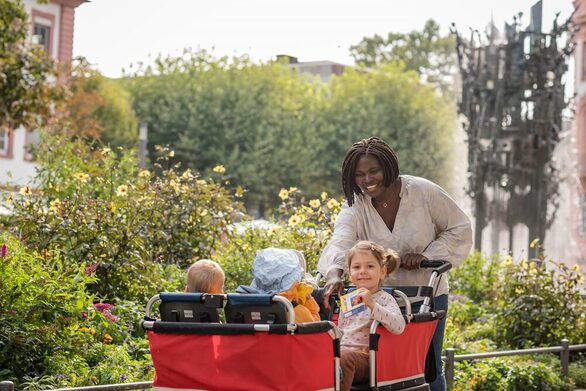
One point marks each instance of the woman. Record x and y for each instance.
(410, 214)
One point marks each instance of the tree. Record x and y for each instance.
(426, 52)
(27, 75)
(392, 103)
(97, 108)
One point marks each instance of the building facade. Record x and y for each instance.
(52, 26)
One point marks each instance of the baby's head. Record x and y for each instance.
(277, 269)
(388, 259)
(205, 276)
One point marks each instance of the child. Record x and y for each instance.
(368, 265)
(282, 272)
(205, 276)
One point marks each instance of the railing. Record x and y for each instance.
(9, 386)
(450, 358)
(564, 350)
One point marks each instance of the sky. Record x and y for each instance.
(113, 34)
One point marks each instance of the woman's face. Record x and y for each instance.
(369, 176)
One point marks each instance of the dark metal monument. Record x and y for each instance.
(512, 99)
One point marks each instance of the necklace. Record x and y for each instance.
(386, 203)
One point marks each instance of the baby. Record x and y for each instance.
(282, 271)
(205, 276)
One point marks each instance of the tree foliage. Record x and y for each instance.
(27, 76)
(426, 52)
(96, 108)
(272, 128)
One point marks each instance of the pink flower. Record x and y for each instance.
(110, 316)
(103, 306)
(84, 315)
(11, 312)
(4, 251)
(91, 268)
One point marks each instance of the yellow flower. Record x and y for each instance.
(105, 151)
(108, 338)
(311, 233)
(25, 191)
(576, 268)
(314, 203)
(219, 169)
(284, 194)
(171, 153)
(333, 203)
(293, 189)
(89, 330)
(534, 242)
(82, 177)
(174, 185)
(54, 205)
(9, 199)
(508, 261)
(122, 191)
(144, 173)
(294, 220)
(324, 195)
(333, 218)
(580, 278)
(201, 182)
(239, 192)
(187, 174)
(518, 290)
(524, 264)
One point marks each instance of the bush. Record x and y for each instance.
(539, 303)
(94, 207)
(304, 225)
(509, 375)
(578, 373)
(476, 278)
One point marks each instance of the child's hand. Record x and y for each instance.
(366, 297)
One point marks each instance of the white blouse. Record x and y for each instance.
(428, 222)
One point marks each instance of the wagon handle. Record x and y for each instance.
(438, 265)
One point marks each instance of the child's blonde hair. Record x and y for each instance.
(203, 276)
(385, 257)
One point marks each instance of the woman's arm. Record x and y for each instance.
(344, 237)
(454, 231)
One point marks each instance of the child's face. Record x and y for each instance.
(365, 271)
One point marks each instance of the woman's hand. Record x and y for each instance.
(334, 285)
(412, 261)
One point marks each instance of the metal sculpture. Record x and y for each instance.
(512, 99)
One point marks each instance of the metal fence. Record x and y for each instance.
(564, 350)
(450, 360)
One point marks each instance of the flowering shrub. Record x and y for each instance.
(96, 208)
(539, 303)
(304, 226)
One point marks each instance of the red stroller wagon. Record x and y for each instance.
(260, 347)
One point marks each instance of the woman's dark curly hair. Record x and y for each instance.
(369, 146)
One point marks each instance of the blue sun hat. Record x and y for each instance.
(276, 270)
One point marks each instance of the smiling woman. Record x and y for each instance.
(407, 213)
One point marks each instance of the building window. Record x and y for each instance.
(42, 30)
(6, 143)
(582, 215)
(42, 34)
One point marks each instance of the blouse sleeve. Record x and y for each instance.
(388, 313)
(454, 231)
(343, 238)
